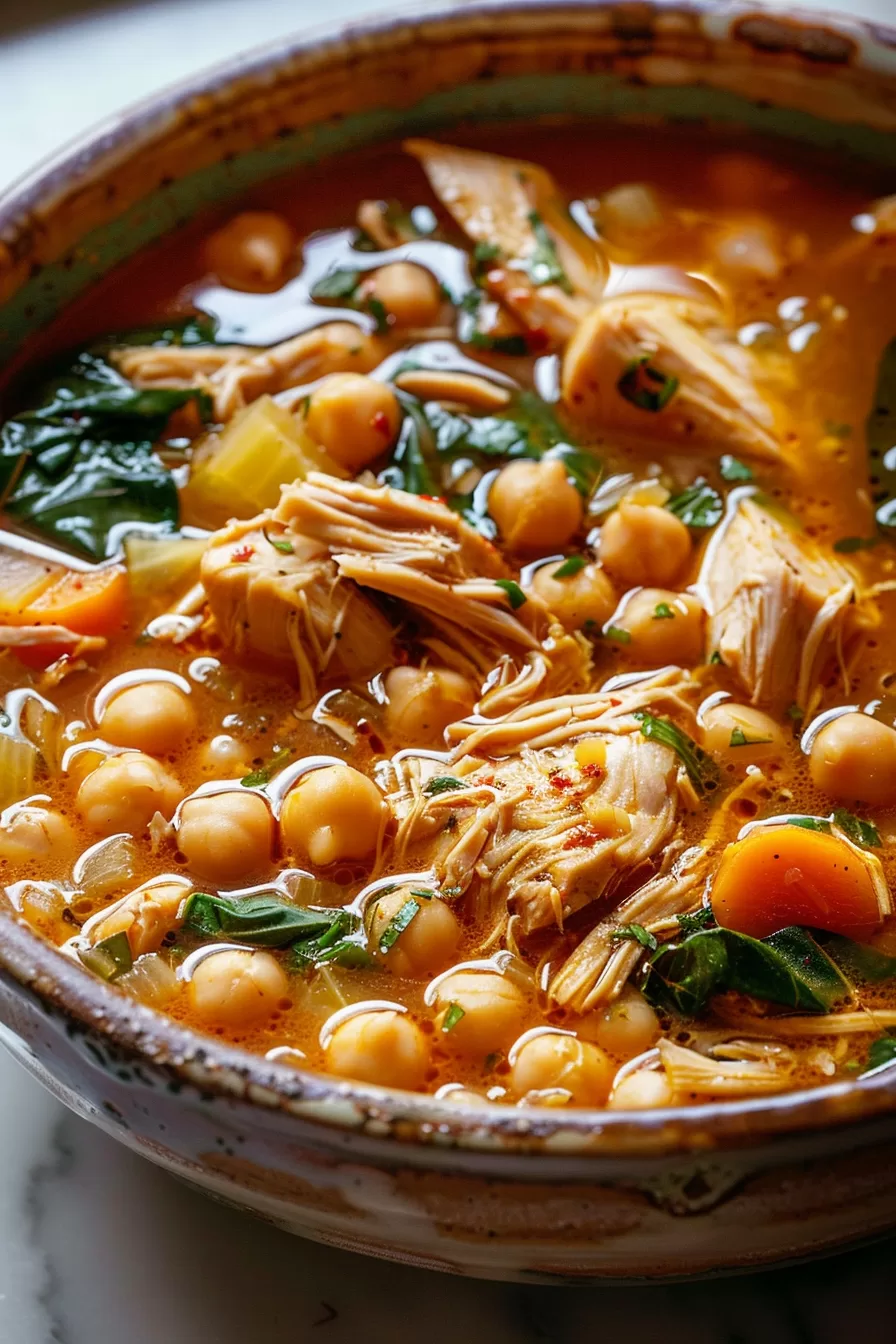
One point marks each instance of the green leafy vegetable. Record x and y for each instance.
(485, 253)
(617, 634)
(515, 595)
(696, 920)
(82, 462)
(265, 773)
(543, 264)
(341, 283)
(858, 961)
(442, 784)
(699, 506)
(109, 958)
(453, 1015)
(262, 920)
(849, 545)
(863, 833)
(787, 968)
(342, 944)
(397, 925)
(378, 311)
(880, 432)
(732, 469)
(739, 738)
(663, 612)
(573, 564)
(881, 1051)
(279, 544)
(635, 933)
(647, 387)
(701, 769)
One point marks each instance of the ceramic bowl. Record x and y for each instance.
(493, 1192)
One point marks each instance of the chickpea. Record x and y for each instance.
(125, 793)
(554, 1060)
(426, 946)
(643, 544)
(156, 717)
(382, 1046)
(226, 837)
(410, 294)
(493, 1011)
(463, 1096)
(35, 833)
(624, 1028)
(587, 598)
(251, 251)
(234, 988)
(536, 506)
(641, 1090)
(423, 701)
(146, 916)
(333, 813)
(854, 758)
(665, 627)
(225, 757)
(741, 735)
(355, 418)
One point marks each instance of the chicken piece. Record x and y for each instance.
(292, 606)
(651, 367)
(545, 269)
(234, 375)
(777, 606)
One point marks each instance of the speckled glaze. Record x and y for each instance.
(502, 1193)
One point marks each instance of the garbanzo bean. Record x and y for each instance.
(251, 251)
(665, 627)
(35, 833)
(225, 757)
(535, 505)
(125, 793)
(583, 599)
(332, 814)
(410, 294)
(643, 544)
(641, 1090)
(237, 988)
(226, 837)
(423, 701)
(624, 1028)
(493, 1010)
(555, 1060)
(426, 946)
(354, 417)
(741, 734)
(853, 758)
(382, 1046)
(155, 717)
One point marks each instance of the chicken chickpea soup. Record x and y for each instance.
(447, 623)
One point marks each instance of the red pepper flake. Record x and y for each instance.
(380, 422)
(537, 339)
(581, 837)
(242, 554)
(559, 781)
(593, 771)
(434, 499)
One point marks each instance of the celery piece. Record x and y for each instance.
(158, 566)
(18, 762)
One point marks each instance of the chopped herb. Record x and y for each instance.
(378, 311)
(265, 773)
(339, 945)
(699, 506)
(397, 925)
(617, 634)
(543, 264)
(514, 343)
(425, 893)
(109, 958)
(715, 658)
(484, 254)
(739, 738)
(515, 595)
(795, 712)
(848, 545)
(663, 612)
(284, 547)
(863, 833)
(881, 1052)
(701, 769)
(451, 893)
(573, 564)
(645, 386)
(696, 920)
(269, 920)
(635, 933)
(442, 784)
(453, 1015)
(732, 469)
(341, 283)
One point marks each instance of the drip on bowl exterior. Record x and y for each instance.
(529, 1194)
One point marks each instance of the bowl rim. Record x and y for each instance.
(31, 964)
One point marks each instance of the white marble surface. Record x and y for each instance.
(97, 1246)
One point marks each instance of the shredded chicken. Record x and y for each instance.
(52, 636)
(515, 208)
(693, 1074)
(621, 344)
(777, 606)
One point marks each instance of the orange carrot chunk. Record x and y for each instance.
(783, 875)
(89, 603)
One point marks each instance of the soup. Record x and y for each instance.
(446, 624)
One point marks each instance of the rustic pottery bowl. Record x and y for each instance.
(498, 1193)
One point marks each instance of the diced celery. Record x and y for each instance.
(18, 762)
(262, 449)
(158, 566)
(110, 958)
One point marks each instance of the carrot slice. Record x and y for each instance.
(89, 603)
(783, 875)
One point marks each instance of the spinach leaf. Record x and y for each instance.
(701, 769)
(858, 961)
(262, 920)
(414, 466)
(82, 462)
(882, 1051)
(699, 506)
(880, 431)
(442, 784)
(340, 945)
(860, 832)
(788, 968)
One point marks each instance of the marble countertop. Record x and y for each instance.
(96, 1245)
